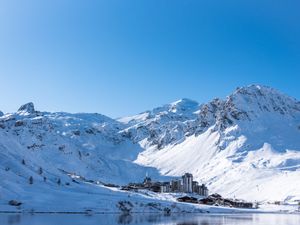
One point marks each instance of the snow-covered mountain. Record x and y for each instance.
(247, 145)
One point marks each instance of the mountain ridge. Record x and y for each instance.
(250, 138)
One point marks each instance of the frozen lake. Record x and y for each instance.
(189, 219)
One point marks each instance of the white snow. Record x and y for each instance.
(246, 146)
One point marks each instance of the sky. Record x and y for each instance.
(121, 57)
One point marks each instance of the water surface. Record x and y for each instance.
(139, 219)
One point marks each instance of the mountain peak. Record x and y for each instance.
(257, 89)
(260, 98)
(27, 108)
(184, 104)
(185, 101)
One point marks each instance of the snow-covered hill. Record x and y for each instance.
(246, 145)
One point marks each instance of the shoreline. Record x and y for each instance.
(90, 213)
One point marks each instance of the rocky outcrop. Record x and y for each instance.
(27, 108)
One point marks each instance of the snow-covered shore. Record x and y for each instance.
(90, 198)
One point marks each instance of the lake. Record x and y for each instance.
(140, 219)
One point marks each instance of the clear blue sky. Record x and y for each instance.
(123, 57)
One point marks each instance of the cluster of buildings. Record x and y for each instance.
(185, 184)
(218, 200)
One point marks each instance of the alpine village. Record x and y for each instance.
(188, 190)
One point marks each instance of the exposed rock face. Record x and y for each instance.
(27, 108)
(174, 122)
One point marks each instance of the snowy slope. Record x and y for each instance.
(86, 144)
(49, 147)
(246, 146)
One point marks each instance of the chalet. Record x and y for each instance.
(155, 187)
(188, 199)
(216, 199)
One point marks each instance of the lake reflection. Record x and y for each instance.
(140, 219)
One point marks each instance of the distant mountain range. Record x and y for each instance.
(245, 146)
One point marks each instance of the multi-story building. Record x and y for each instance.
(195, 187)
(165, 187)
(176, 186)
(203, 190)
(187, 183)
